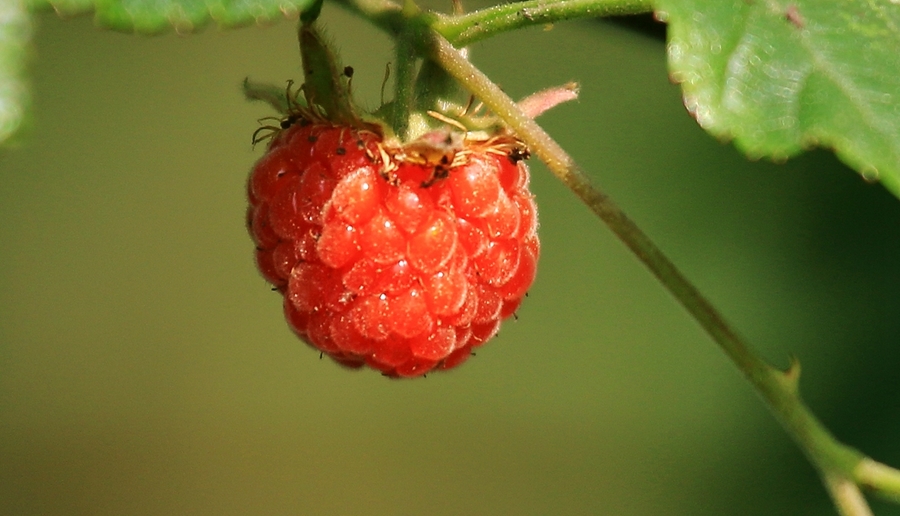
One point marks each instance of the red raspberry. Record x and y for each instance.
(390, 257)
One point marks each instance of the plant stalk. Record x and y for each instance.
(846, 496)
(465, 29)
(835, 461)
(884, 480)
(404, 84)
(842, 468)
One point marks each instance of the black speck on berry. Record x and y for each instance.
(289, 121)
(516, 155)
(340, 151)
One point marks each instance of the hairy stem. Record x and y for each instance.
(404, 80)
(465, 29)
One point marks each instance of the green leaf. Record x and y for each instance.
(154, 16)
(782, 76)
(15, 35)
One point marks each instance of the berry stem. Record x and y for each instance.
(465, 29)
(838, 464)
(846, 495)
(842, 468)
(404, 86)
(271, 95)
(323, 81)
(384, 14)
(883, 479)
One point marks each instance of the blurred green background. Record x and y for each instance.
(145, 368)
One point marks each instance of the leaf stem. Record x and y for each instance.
(465, 29)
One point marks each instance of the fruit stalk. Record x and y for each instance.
(463, 30)
(835, 461)
(404, 79)
(842, 468)
(324, 84)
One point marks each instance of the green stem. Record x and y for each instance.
(462, 30)
(465, 29)
(834, 460)
(884, 480)
(846, 496)
(404, 84)
(384, 14)
(842, 468)
(323, 80)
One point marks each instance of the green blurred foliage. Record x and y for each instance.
(181, 16)
(145, 368)
(15, 37)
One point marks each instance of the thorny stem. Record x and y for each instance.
(842, 468)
